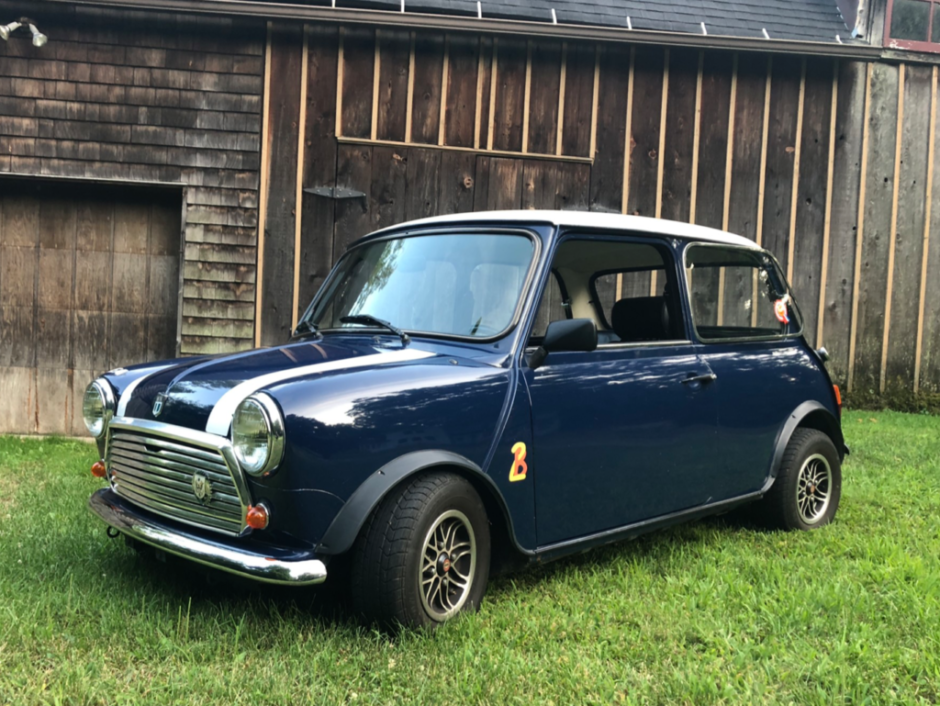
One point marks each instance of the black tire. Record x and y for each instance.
(811, 461)
(388, 557)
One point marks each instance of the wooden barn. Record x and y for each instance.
(179, 176)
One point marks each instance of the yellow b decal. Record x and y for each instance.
(519, 467)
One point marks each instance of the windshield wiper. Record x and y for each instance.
(367, 319)
(305, 327)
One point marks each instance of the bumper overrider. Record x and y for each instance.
(287, 567)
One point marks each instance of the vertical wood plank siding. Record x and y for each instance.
(784, 151)
(769, 148)
(277, 280)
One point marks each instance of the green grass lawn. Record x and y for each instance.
(713, 612)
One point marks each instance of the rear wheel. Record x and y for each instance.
(424, 554)
(808, 487)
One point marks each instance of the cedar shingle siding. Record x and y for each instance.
(145, 97)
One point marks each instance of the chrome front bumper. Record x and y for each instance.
(292, 569)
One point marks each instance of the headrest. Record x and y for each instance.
(641, 319)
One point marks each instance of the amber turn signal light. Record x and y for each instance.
(98, 470)
(835, 388)
(257, 517)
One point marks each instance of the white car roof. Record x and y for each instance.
(590, 219)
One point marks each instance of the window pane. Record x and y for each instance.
(733, 293)
(935, 34)
(464, 285)
(611, 283)
(910, 20)
(614, 286)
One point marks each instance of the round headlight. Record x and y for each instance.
(258, 435)
(97, 407)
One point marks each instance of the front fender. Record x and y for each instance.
(814, 415)
(342, 532)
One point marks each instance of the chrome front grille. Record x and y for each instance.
(161, 468)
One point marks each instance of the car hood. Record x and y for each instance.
(203, 393)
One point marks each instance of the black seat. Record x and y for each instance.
(641, 319)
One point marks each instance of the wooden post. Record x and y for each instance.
(931, 156)
(860, 232)
(478, 114)
(762, 178)
(661, 158)
(892, 243)
(445, 76)
(795, 190)
(263, 187)
(562, 88)
(661, 162)
(696, 136)
(299, 194)
(410, 98)
(765, 133)
(527, 97)
(340, 70)
(628, 139)
(597, 84)
(494, 69)
(376, 74)
(729, 162)
(827, 227)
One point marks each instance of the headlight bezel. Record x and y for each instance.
(108, 402)
(274, 423)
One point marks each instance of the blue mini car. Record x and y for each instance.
(472, 390)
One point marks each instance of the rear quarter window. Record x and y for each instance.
(732, 292)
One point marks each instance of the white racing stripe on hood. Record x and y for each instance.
(221, 417)
(129, 390)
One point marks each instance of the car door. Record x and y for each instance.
(762, 366)
(626, 432)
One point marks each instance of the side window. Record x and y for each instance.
(733, 292)
(611, 287)
(624, 286)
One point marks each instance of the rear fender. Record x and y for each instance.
(813, 415)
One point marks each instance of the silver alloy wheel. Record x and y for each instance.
(448, 565)
(813, 488)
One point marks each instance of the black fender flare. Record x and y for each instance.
(824, 420)
(342, 532)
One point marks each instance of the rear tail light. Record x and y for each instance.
(835, 388)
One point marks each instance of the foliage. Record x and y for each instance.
(713, 612)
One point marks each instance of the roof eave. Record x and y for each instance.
(465, 24)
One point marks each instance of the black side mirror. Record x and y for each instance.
(566, 335)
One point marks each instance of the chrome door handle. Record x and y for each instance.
(703, 379)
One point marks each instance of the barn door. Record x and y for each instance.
(89, 280)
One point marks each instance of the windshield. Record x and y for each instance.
(454, 284)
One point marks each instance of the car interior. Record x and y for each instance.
(624, 287)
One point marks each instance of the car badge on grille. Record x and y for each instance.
(202, 488)
(158, 404)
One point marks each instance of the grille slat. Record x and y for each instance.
(171, 498)
(157, 473)
(153, 441)
(178, 514)
(184, 491)
(169, 458)
(171, 469)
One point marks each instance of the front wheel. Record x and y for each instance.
(808, 487)
(424, 554)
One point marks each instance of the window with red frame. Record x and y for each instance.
(913, 24)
